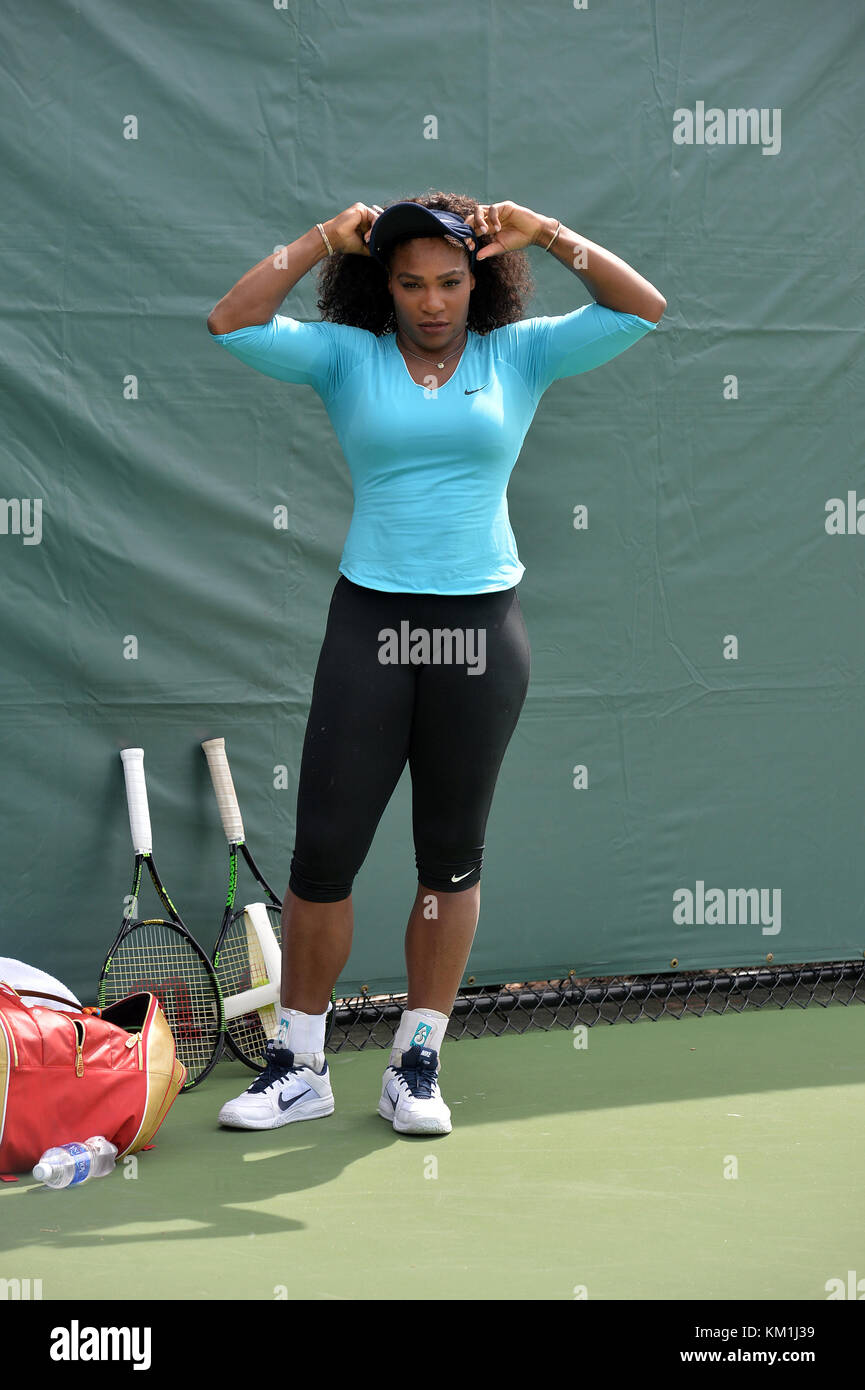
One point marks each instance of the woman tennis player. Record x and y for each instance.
(431, 377)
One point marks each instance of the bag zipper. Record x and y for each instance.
(79, 1045)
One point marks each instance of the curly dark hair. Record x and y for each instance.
(353, 289)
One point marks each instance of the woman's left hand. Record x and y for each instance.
(512, 226)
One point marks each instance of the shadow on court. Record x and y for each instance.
(199, 1180)
(533, 1094)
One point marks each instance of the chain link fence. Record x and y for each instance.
(371, 1020)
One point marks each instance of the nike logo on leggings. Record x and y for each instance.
(454, 878)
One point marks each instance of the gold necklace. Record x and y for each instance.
(437, 364)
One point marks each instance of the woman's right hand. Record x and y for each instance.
(347, 231)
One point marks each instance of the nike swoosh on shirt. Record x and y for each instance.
(287, 1104)
(454, 878)
(476, 388)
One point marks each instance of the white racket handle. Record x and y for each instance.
(257, 919)
(236, 1005)
(136, 800)
(226, 797)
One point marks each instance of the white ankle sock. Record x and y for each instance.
(418, 1026)
(303, 1034)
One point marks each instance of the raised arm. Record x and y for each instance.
(610, 281)
(258, 294)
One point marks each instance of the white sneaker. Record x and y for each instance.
(410, 1096)
(282, 1093)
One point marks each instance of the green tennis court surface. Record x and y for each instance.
(608, 1168)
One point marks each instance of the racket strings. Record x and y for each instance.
(241, 966)
(155, 957)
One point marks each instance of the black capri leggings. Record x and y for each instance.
(435, 679)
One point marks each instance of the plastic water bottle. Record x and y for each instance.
(72, 1164)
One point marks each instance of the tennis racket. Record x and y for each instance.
(248, 951)
(161, 956)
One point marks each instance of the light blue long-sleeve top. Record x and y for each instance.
(430, 467)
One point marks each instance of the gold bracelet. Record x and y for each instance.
(326, 242)
(552, 239)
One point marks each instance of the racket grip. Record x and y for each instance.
(257, 920)
(250, 1001)
(223, 786)
(136, 800)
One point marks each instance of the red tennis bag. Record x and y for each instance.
(66, 1076)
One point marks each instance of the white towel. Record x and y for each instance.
(19, 976)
